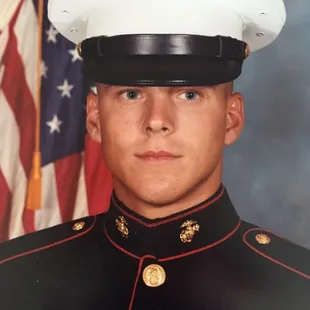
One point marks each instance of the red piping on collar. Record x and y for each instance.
(173, 218)
(203, 248)
(118, 247)
(180, 255)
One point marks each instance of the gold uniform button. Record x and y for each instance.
(154, 275)
(263, 239)
(78, 226)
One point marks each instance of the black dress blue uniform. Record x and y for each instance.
(203, 258)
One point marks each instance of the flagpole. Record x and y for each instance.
(34, 190)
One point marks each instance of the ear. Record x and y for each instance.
(92, 118)
(234, 118)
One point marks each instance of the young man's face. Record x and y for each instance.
(192, 124)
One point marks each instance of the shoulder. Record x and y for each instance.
(47, 238)
(277, 250)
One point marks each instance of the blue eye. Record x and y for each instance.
(131, 95)
(189, 96)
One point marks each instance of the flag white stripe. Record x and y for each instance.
(81, 209)
(49, 215)
(11, 166)
(4, 38)
(26, 29)
(8, 8)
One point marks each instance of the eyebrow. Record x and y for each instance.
(107, 87)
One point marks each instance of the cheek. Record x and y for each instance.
(204, 135)
(204, 129)
(118, 134)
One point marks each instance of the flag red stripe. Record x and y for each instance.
(97, 177)
(5, 208)
(67, 173)
(28, 221)
(21, 101)
(15, 88)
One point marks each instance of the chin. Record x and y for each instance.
(159, 195)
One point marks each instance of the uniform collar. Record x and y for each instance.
(196, 229)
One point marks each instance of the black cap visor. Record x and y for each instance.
(163, 60)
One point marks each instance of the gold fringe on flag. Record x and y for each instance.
(34, 190)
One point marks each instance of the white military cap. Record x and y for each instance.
(167, 42)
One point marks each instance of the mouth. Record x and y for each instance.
(157, 156)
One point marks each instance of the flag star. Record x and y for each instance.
(75, 55)
(51, 34)
(65, 88)
(54, 124)
(44, 69)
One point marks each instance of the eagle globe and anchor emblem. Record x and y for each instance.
(189, 231)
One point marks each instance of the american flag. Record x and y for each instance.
(75, 180)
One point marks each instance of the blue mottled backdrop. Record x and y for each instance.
(267, 172)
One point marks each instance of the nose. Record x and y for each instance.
(159, 115)
(156, 126)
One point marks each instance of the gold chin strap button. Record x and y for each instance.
(247, 51)
(263, 239)
(78, 226)
(154, 275)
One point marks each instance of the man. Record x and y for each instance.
(164, 113)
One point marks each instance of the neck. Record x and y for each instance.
(151, 210)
